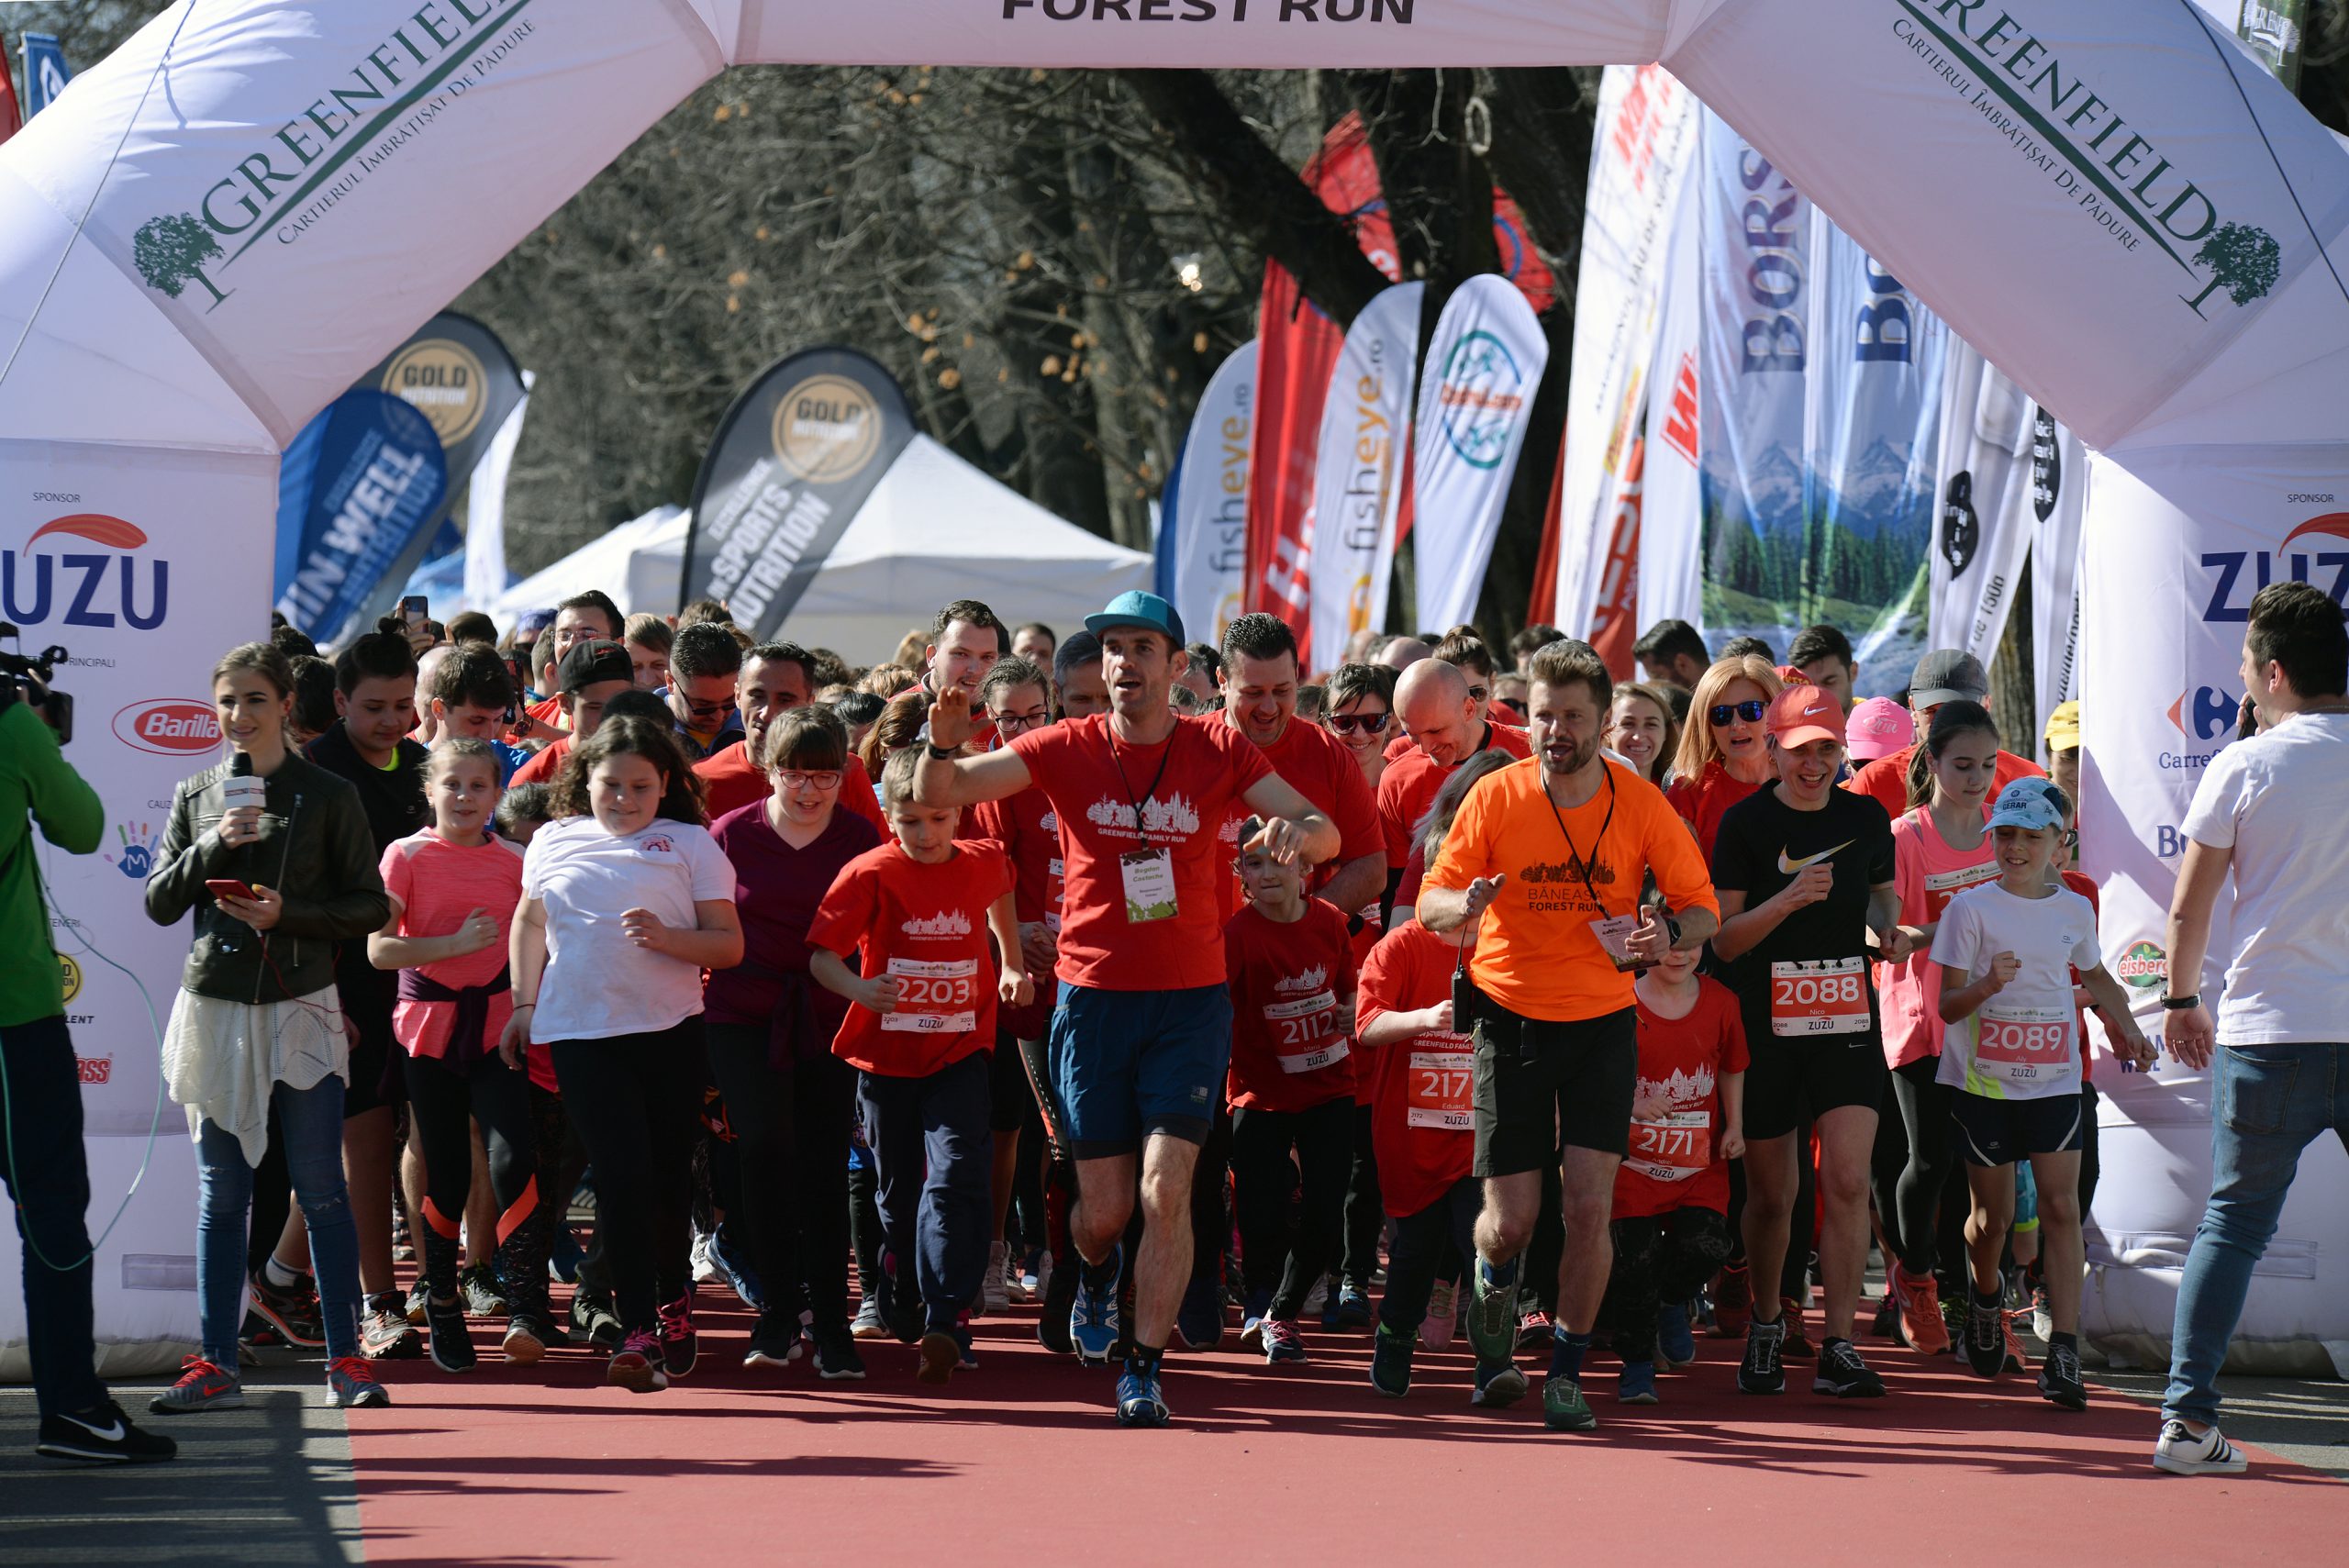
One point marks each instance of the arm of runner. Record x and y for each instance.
(1293, 830)
(1732, 1145)
(2190, 1032)
(963, 781)
(1961, 1002)
(1743, 929)
(713, 942)
(1013, 987)
(879, 993)
(1445, 909)
(1383, 1029)
(525, 956)
(1358, 882)
(2113, 1003)
(1884, 919)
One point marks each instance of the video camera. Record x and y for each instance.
(29, 679)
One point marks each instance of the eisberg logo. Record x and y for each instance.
(1478, 399)
(170, 727)
(2144, 966)
(36, 583)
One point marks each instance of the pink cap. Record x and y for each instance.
(1878, 727)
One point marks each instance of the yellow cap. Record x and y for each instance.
(2064, 728)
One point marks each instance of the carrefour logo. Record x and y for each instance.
(2321, 557)
(2205, 713)
(109, 585)
(1478, 399)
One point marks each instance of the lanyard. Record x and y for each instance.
(1163, 758)
(1581, 864)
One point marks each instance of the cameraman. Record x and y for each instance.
(41, 1087)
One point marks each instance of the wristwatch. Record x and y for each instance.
(2180, 1003)
(1672, 929)
(943, 753)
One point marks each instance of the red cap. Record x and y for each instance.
(1800, 715)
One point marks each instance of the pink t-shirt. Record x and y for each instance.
(1928, 873)
(434, 886)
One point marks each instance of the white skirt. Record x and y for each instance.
(222, 1059)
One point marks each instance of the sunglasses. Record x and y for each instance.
(1751, 712)
(717, 710)
(1361, 723)
(792, 778)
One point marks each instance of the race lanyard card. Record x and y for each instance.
(1441, 1090)
(1819, 996)
(934, 997)
(1614, 934)
(1149, 876)
(1672, 1150)
(2024, 1045)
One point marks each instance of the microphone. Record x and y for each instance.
(241, 789)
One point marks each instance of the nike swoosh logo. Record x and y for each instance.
(1788, 868)
(109, 1434)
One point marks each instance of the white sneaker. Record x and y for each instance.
(995, 1291)
(2180, 1453)
(705, 1266)
(1435, 1329)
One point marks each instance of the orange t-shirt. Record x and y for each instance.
(1886, 778)
(1536, 953)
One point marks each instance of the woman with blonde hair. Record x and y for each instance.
(1642, 730)
(1724, 753)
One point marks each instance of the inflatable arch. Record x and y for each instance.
(213, 232)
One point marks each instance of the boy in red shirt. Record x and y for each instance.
(1670, 1226)
(1291, 1084)
(922, 907)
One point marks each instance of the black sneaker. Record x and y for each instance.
(529, 1337)
(2059, 1378)
(593, 1315)
(418, 1295)
(1985, 1339)
(680, 1347)
(1390, 1361)
(836, 1357)
(1060, 1296)
(775, 1341)
(1842, 1373)
(450, 1344)
(102, 1436)
(1887, 1324)
(1762, 1372)
(908, 1319)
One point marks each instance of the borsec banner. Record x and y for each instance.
(1484, 365)
(1202, 545)
(793, 460)
(1358, 473)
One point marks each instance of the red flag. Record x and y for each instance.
(11, 118)
(1544, 601)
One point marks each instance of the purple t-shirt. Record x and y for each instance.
(777, 890)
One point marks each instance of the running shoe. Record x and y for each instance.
(1985, 1340)
(1676, 1341)
(418, 1295)
(2014, 1359)
(202, 1387)
(593, 1315)
(1762, 1372)
(1920, 1311)
(1198, 1322)
(1436, 1329)
(293, 1312)
(1348, 1307)
(1637, 1385)
(2042, 1314)
(1798, 1345)
(1499, 1385)
(384, 1332)
(528, 1339)
(1283, 1343)
(939, 1354)
(1140, 1403)
(906, 1320)
(1886, 1324)
(2060, 1381)
(704, 1269)
(637, 1365)
(1060, 1301)
(2180, 1453)
(483, 1298)
(734, 1270)
(1093, 1323)
(1563, 1409)
(867, 1324)
(451, 1345)
(1390, 1362)
(1251, 1319)
(1022, 1281)
(966, 1358)
(563, 1256)
(102, 1435)
(1535, 1330)
(1492, 1315)
(1317, 1300)
(679, 1345)
(775, 1341)
(351, 1385)
(1842, 1373)
(1732, 1303)
(836, 1357)
(994, 1290)
(403, 1248)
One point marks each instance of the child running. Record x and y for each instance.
(922, 907)
(453, 889)
(1291, 967)
(2012, 1054)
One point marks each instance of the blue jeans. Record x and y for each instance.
(932, 1151)
(2268, 1103)
(309, 1124)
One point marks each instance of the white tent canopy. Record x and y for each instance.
(624, 563)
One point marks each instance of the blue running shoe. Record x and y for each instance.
(1637, 1386)
(1500, 1384)
(1139, 1404)
(1259, 1307)
(1676, 1341)
(735, 1269)
(1348, 1307)
(1093, 1318)
(1199, 1322)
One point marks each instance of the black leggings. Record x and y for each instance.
(1912, 1220)
(636, 1101)
(443, 1104)
(1278, 1260)
(1365, 1211)
(791, 1140)
(1659, 1258)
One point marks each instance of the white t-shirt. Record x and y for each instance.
(2023, 1044)
(597, 983)
(2280, 801)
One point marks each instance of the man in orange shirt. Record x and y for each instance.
(1555, 850)
(1946, 674)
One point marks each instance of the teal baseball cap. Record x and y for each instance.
(1135, 608)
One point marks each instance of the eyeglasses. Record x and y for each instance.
(794, 779)
(717, 710)
(1020, 722)
(1751, 712)
(1353, 723)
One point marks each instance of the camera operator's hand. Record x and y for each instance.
(261, 911)
(240, 826)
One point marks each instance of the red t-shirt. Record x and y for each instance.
(1316, 764)
(436, 884)
(547, 710)
(2081, 884)
(1886, 778)
(1703, 800)
(1181, 786)
(928, 925)
(730, 783)
(777, 890)
(543, 768)
(1290, 1050)
(1413, 779)
(1026, 830)
(1422, 1118)
(1676, 1163)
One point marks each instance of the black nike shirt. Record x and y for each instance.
(1763, 845)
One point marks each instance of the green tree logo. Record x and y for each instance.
(169, 254)
(2244, 261)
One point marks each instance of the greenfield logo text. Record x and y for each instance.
(1478, 399)
(2133, 183)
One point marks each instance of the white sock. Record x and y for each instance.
(281, 1277)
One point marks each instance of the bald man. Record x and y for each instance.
(1441, 731)
(1403, 653)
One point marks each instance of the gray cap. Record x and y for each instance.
(1947, 675)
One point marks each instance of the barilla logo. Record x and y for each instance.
(95, 1069)
(1311, 980)
(170, 727)
(952, 923)
(54, 583)
(2144, 966)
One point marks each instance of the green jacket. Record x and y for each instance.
(37, 785)
(314, 850)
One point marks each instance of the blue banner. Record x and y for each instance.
(45, 71)
(355, 490)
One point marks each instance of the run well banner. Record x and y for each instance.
(1358, 474)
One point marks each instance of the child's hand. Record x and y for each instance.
(516, 1035)
(1037, 948)
(1651, 1107)
(880, 992)
(646, 929)
(480, 930)
(1438, 1018)
(2141, 1052)
(2004, 967)
(1895, 943)
(1014, 989)
(1732, 1143)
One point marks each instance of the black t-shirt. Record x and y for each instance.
(1815, 965)
(392, 799)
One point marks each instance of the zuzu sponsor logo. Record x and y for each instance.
(85, 570)
(2317, 551)
(170, 727)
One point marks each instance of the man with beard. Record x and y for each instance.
(775, 677)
